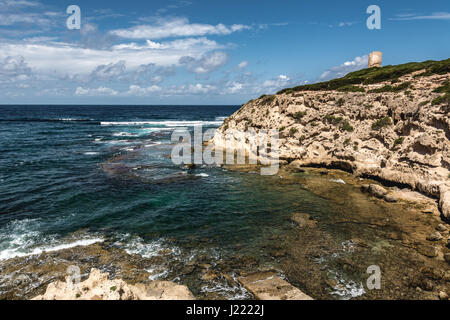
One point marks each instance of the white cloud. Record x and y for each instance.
(9, 19)
(14, 68)
(349, 66)
(136, 90)
(279, 82)
(63, 58)
(17, 3)
(205, 64)
(176, 27)
(100, 91)
(243, 64)
(433, 16)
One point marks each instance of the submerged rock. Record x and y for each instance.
(435, 236)
(303, 220)
(428, 251)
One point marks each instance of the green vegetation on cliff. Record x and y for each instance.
(376, 75)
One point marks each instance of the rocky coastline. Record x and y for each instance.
(396, 131)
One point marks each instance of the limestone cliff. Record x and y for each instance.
(390, 123)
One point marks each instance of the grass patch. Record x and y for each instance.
(351, 88)
(381, 123)
(376, 75)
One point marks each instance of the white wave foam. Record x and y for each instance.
(202, 175)
(90, 153)
(124, 134)
(13, 253)
(160, 123)
(22, 238)
(136, 245)
(221, 118)
(157, 274)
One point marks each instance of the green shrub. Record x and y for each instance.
(332, 119)
(340, 102)
(293, 131)
(113, 288)
(267, 99)
(347, 127)
(381, 123)
(299, 115)
(389, 88)
(445, 88)
(347, 142)
(442, 99)
(398, 141)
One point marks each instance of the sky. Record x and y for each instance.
(202, 51)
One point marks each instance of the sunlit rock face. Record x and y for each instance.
(375, 59)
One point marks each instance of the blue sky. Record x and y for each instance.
(201, 51)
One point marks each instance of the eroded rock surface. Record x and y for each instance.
(99, 287)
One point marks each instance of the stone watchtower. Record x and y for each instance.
(375, 59)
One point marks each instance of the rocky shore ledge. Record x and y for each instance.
(99, 287)
(391, 124)
(263, 285)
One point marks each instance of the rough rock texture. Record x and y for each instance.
(397, 136)
(269, 286)
(99, 287)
